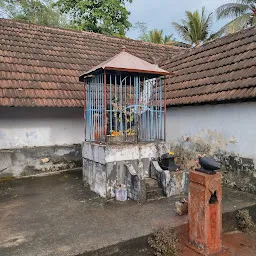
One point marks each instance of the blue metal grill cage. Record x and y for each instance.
(124, 107)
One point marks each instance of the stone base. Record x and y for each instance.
(202, 251)
(105, 165)
(172, 183)
(27, 161)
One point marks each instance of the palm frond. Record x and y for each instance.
(235, 25)
(253, 20)
(182, 31)
(232, 10)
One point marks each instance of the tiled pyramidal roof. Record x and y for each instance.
(40, 66)
(126, 62)
(223, 70)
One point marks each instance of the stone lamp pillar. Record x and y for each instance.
(204, 212)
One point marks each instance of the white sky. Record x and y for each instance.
(160, 14)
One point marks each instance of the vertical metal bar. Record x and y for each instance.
(115, 111)
(102, 103)
(121, 104)
(101, 116)
(93, 107)
(105, 105)
(161, 109)
(148, 112)
(96, 107)
(125, 105)
(99, 107)
(91, 104)
(130, 102)
(164, 110)
(87, 109)
(156, 108)
(143, 102)
(135, 107)
(84, 110)
(89, 113)
(110, 103)
(152, 111)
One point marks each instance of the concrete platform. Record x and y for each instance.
(57, 215)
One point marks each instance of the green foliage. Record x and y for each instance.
(195, 29)
(243, 13)
(153, 36)
(35, 11)
(165, 243)
(100, 16)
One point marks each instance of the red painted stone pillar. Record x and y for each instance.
(204, 212)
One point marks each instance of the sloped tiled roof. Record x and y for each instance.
(223, 70)
(125, 61)
(40, 66)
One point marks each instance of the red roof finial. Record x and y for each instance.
(123, 48)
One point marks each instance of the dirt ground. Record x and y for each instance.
(235, 243)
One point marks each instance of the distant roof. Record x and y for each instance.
(40, 66)
(223, 70)
(125, 61)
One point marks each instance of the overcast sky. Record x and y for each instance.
(160, 14)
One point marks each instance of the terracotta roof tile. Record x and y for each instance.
(219, 71)
(40, 66)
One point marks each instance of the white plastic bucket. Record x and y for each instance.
(121, 193)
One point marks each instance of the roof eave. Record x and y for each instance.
(131, 70)
(160, 73)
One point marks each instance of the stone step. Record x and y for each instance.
(154, 193)
(153, 189)
(151, 183)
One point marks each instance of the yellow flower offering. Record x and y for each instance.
(170, 153)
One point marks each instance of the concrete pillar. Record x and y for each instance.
(204, 212)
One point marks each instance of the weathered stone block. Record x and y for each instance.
(111, 162)
(31, 161)
(172, 183)
(181, 207)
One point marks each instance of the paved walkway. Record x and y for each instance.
(56, 215)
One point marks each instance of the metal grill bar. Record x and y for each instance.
(124, 108)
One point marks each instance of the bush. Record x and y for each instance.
(165, 243)
(244, 220)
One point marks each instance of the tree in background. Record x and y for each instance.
(100, 16)
(153, 36)
(195, 29)
(243, 13)
(35, 11)
(156, 36)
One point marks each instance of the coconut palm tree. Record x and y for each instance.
(195, 29)
(153, 36)
(156, 36)
(243, 13)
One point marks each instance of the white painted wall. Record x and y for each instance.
(226, 126)
(30, 127)
(230, 127)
